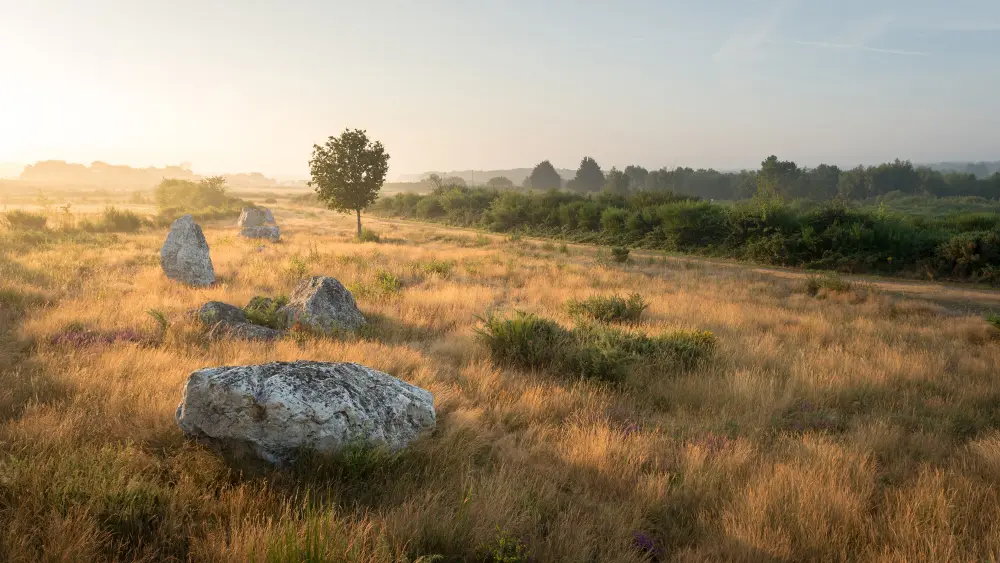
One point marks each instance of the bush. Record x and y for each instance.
(830, 282)
(205, 199)
(439, 267)
(608, 353)
(993, 319)
(24, 221)
(368, 236)
(264, 311)
(385, 284)
(270, 200)
(527, 341)
(523, 341)
(619, 254)
(963, 243)
(614, 309)
(114, 220)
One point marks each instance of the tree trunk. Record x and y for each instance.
(359, 222)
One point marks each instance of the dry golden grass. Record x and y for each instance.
(837, 427)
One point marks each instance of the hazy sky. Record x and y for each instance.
(246, 85)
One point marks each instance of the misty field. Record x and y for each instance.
(829, 420)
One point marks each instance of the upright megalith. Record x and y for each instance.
(185, 256)
(252, 217)
(324, 305)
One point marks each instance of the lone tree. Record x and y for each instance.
(348, 171)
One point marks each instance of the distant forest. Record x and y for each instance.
(779, 177)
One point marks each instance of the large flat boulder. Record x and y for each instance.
(324, 305)
(275, 410)
(185, 256)
(270, 232)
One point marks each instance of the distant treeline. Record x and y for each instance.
(782, 178)
(832, 235)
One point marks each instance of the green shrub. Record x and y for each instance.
(993, 319)
(204, 200)
(440, 267)
(264, 311)
(830, 282)
(505, 548)
(609, 354)
(527, 341)
(523, 340)
(385, 284)
(114, 220)
(18, 220)
(368, 236)
(613, 309)
(619, 254)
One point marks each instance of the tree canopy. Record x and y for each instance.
(500, 182)
(348, 171)
(589, 177)
(544, 177)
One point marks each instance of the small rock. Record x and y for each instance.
(217, 312)
(272, 411)
(268, 216)
(273, 233)
(185, 255)
(227, 321)
(324, 305)
(252, 217)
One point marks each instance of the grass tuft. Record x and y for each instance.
(830, 282)
(368, 235)
(263, 311)
(528, 341)
(613, 309)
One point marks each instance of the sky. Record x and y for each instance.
(249, 85)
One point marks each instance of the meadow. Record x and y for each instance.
(833, 419)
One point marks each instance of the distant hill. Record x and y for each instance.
(980, 169)
(10, 169)
(479, 177)
(109, 176)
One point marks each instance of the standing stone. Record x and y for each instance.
(324, 305)
(251, 217)
(268, 216)
(270, 232)
(185, 256)
(272, 411)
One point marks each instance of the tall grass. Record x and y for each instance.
(858, 427)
